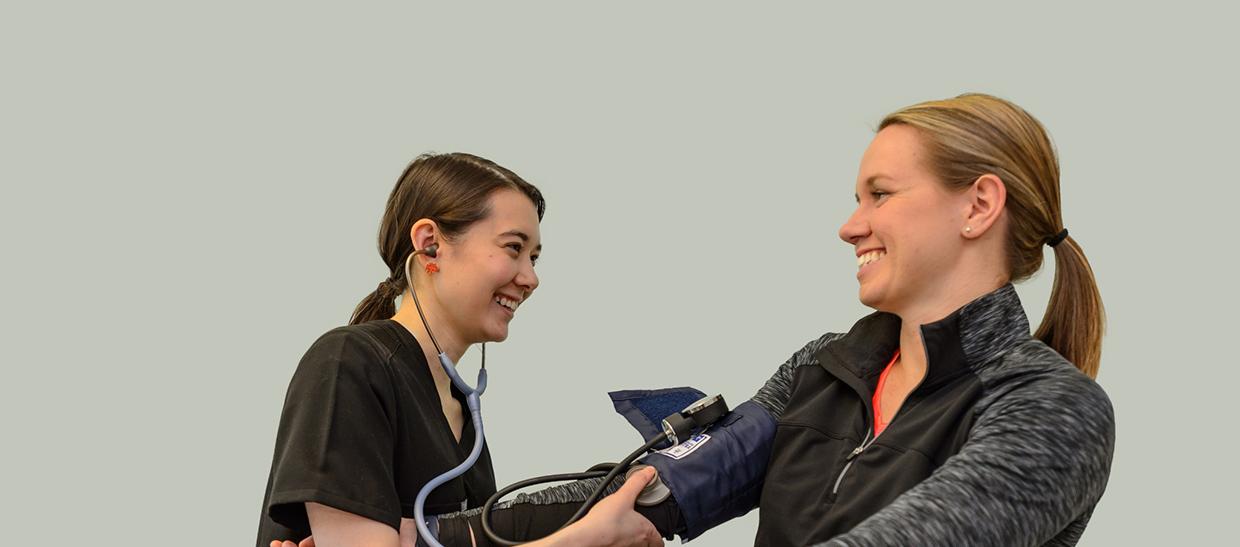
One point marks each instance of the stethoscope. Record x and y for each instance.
(676, 428)
(473, 399)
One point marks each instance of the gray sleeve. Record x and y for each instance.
(1035, 465)
(572, 492)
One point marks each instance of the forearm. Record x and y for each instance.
(527, 520)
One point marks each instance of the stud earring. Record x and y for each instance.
(968, 229)
(432, 267)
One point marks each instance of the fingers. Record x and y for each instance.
(308, 542)
(634, 485)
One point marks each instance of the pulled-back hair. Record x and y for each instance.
(975, 134)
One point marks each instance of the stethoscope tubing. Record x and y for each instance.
(473, 400)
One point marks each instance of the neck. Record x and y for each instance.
(449, 341)
(912, 348)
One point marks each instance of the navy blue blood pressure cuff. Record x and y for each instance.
(716, 475)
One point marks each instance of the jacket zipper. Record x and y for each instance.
(865, 443)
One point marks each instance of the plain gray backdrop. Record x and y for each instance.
(191, 194)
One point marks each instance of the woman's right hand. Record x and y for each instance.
(612, 522)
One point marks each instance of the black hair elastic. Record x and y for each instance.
(1057, 238)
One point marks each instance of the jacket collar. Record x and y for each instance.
(964, 341)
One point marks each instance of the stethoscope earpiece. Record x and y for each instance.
(431, 250)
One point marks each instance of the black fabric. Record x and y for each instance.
(363, 430)
(528, 522)
(829, 415)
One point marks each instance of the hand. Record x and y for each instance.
(613, 522)
(308, 542)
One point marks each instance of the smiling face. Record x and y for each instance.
(906, 230)
(487, 272)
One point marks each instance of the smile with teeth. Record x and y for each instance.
(507, 303)
(872, 256)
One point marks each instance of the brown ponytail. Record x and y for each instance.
(379, 304)
(974, 135)
(450, 189)
(1075, 320)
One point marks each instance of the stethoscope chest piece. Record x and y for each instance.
(654, 493)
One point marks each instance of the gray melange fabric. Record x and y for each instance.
(1033, 466)
(571, 492)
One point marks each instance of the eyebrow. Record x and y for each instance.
(524, 237)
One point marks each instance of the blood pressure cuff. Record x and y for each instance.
(715, 476)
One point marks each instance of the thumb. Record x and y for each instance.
(633, 486)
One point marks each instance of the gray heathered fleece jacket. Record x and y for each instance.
(1003, 443)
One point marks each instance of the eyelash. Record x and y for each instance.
(878, 194)
(517, 247)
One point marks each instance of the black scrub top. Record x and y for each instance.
(362, 431)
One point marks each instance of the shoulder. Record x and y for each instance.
(807, 355)
(1032, 366)
(1034, 383)
(774, 394)
(369, 340)
(352, 352)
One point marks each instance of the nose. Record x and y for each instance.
(856, 228)
(527, 278)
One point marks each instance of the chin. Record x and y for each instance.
(498, 335)
(869, 297)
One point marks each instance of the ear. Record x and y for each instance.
(424, 233)
(987, 197)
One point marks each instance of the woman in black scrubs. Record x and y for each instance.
(370, 415)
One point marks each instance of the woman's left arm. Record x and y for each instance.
(1035, 465)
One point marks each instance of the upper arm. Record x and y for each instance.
(332, 527)
(1036, 459)
(774, 394)
(335, 445)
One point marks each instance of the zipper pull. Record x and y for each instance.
(856, 452)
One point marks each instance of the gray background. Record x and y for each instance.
(191, 195)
